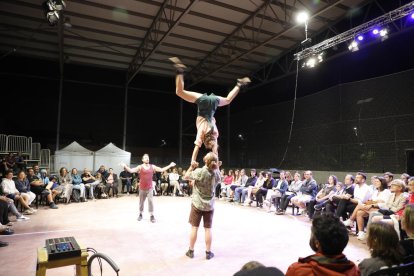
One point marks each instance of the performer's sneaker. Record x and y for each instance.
(140, 217)
(179, 66)
(209, 255)
(152, 219)
(243, 82)
(190, 253)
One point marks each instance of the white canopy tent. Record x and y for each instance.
(110, 156)
(74, 156)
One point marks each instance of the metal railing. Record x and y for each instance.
(45, 158)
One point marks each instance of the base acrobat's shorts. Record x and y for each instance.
(196, 215)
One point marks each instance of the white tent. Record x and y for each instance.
(110, 156)
(74, 156)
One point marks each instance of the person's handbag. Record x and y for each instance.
(386, 212)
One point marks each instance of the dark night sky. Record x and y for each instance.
(94, 114)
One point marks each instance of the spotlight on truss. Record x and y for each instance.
(313, 61)
(383, 34)
(353, 47)
(51, 9)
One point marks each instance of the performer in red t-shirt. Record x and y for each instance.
(146, 171)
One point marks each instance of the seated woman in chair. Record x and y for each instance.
(384, 246)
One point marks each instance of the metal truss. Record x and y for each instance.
(226, 53)
(282, 65)
(164, 22)
(352, 33)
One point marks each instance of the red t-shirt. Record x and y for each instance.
(145, 177)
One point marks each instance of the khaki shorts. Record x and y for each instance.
(196, 215)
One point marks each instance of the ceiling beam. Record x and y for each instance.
(164, 19)
(203, 71)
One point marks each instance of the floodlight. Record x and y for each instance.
(353, 47)
(302, 17)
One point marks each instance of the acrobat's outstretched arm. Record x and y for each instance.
(233, 93)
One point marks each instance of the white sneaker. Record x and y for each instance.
(348, 223)
(127, 194)
(22, 218)
(33, 210)
(28, 212)
(361, 235)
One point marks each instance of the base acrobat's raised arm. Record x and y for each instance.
(207, 132)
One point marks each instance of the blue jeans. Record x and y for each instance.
(237, 192)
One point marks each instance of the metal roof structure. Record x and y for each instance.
(219, 40)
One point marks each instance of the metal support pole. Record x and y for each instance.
(61, 65)
(125, 117)
(180, 138)
(228, 134)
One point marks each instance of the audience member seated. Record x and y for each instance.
(102, 171)
(90, 182)
(126, 179)
(328, 239)
(242, 190)
(362, 193)
(226, 183)
(78, 184)
(341, 194)
(261, 193)
(322, 197)
(220, 184)
(111, 183)
(385, 249)
(99, 186)
(10, 191)
(37, 187)
(405, 177)
(389, 177)
(254, 268)
(363, 210)
(185, 185)
(52, 186)
(164, 183)
(393, 209)
(306, 193)
(44, 176)
(274, 195)
(12, 209)
(173, 180)
(19, 160)
(23, 186)
(407, 224)
(292, 191)
(239, 183)
(65, 184)
(235, 183)
(253, 189)
(36, 170)
(10, 162)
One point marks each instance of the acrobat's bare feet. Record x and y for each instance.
(179, 66)
(243, 82)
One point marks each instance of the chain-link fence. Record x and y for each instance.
(366, 125)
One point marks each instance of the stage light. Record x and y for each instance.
(313, 60)
(383, 34)
(360, 37)
(302, 17)
(375, 31)
(353, 47)
(412, 16)
(51, 9)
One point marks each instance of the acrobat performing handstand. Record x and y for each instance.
(207, 131)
